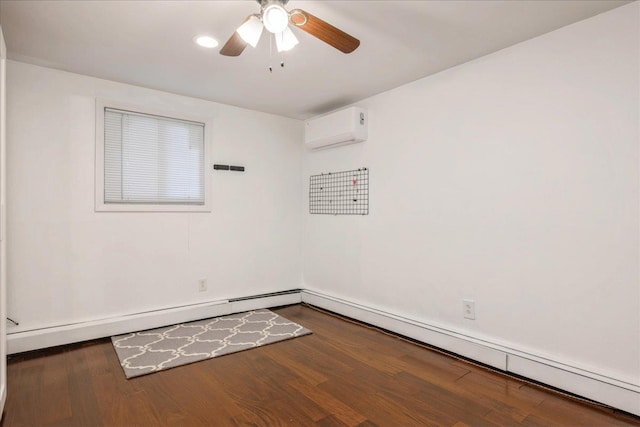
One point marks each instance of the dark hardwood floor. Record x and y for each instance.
(343, 374)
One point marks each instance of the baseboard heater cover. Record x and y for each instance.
(270, 294)
(612, 393)
(35, 339)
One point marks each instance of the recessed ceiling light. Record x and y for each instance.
(206, 41)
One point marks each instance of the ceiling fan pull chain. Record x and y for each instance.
(270, 54)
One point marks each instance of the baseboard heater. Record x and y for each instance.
(270, 294)
(38, 338)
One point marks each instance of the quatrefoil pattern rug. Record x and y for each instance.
(150, 351)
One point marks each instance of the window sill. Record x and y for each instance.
(114, 207)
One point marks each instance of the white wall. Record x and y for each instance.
(3, 225)
(512, 180)
(70, 264)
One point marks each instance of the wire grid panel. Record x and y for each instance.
(340, 193)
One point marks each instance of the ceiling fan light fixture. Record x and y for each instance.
(251, 30)
(275, 17)
(285, 40)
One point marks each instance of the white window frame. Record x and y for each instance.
(101, 206)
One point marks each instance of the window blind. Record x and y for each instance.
(152, 160)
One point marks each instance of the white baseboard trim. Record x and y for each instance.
(610, 392)
(18, 342)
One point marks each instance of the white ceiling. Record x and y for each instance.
(149, 43)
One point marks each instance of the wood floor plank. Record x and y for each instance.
(465, 408)
(82, 394)
(554, 408)
(301, 368)
(383, 407)
(312, 351)
(502, 395)
(27, 396)
(288, 415)
(55, 382)
(332, 405)
(344, 374)
(331, 421)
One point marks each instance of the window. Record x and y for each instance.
(149, 162)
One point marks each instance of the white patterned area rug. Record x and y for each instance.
(150, 351)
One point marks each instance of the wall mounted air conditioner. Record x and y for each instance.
(338, 128)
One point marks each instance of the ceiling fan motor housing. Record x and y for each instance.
(263, 3)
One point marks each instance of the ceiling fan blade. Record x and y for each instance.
(235, 45)
(324, 31)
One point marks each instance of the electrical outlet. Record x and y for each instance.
(202, 285)
(469, 309)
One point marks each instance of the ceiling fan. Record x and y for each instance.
(276, 19)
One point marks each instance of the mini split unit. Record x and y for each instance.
(338, 128)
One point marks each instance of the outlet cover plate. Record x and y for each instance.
(469, 309)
